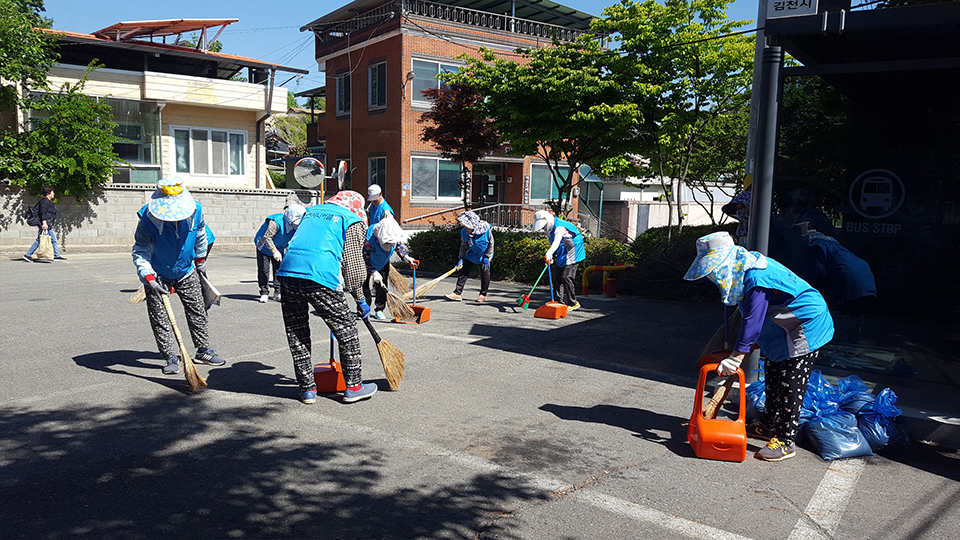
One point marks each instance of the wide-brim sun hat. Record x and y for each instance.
(541, 218)
(352, 201)
(373, 192)
(469, 219)
(293, 213)
(712, 250)
(171, 201)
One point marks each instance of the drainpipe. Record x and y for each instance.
(258, 181)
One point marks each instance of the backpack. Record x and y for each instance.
(33, 215)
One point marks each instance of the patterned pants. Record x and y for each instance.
(786, 384)
(188, 289)
(296, 296)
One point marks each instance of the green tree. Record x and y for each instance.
(455, 126)
(702, 71)
(69, 145)
(25, 54)
(560, 104)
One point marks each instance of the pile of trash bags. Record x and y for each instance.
(841, 421)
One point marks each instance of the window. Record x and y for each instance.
(343, 94)
(378, 86)
(433, 178)
(378, 172)
(542, 186)
(209, 152)
(425, 76)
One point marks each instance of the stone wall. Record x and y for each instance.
(107, 221)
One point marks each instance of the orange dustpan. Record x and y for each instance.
(423, 312)
(329, 377)
(718, 438)
(552, 309)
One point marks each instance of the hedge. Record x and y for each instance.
(660, 264)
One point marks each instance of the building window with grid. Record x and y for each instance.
(209, 151)
(434, 179)
(378, 172)
(425, 76)
(343, 94)
(378, 86)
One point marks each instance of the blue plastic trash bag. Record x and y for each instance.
(880, 424)
(835, 436)
(756, 396)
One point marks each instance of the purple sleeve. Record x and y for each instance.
(754, 310)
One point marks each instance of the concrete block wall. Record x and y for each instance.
(107, 222)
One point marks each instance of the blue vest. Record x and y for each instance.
(378, 210)
(281, 239)
(800, 326)
(174, 250)
(571, 250)
(379, 257)
(477, 245)
(316, 250)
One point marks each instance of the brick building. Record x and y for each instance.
(379, 55)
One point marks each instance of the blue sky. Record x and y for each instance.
(269, 32)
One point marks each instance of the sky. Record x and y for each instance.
(268, 32)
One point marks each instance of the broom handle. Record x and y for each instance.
(376, 336)
(550, 275)
(173, 323)
(537, 282)
(414, 284)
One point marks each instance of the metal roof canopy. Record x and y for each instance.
(543, 11)
(893, 39)
(126, 31)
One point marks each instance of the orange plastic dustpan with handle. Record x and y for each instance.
(717, 438)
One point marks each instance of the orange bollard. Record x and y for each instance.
(714, 438)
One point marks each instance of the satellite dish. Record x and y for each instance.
(308, 172)
(340, 173)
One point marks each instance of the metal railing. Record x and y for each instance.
(452, 14)
(511, 216)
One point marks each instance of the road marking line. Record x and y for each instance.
(829, 502)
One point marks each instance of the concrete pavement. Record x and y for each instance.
(506, 426)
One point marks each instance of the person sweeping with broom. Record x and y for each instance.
(170, 247)
(324, 259)
(476, 247)
(783, 315)
(383, 239)
(271, 239)
(567, 243)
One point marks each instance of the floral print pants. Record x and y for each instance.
(786, 384)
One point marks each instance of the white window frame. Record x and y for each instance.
(344, 101)
(191, 164)
(377, 83)
(436, 185)
(553, 187)
(417, 81)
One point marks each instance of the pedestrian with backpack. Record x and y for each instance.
(47, 215)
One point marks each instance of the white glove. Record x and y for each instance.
(728, 366)
(377, 278)
(277, 257)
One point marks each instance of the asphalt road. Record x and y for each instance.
(506, 426)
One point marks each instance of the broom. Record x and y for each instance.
(422, 291)
(399, 282)
(391, 357)
(399, 309)
(193, 377)
(524, 300)
(138, 296)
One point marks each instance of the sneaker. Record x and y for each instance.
(482, 298)
(28, 259)
(777, 451)
(276, 296)
(757, 430)
(365, 391)
(59, 258)
(454, 296)
(173, 366)
(573, 307)
(263, 298)
(209, 356)
(309, 396)
(379, 315)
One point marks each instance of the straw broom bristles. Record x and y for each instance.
(428, 286)
(138, 296)
(399, 282)
(392, 358)
(399, 309)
